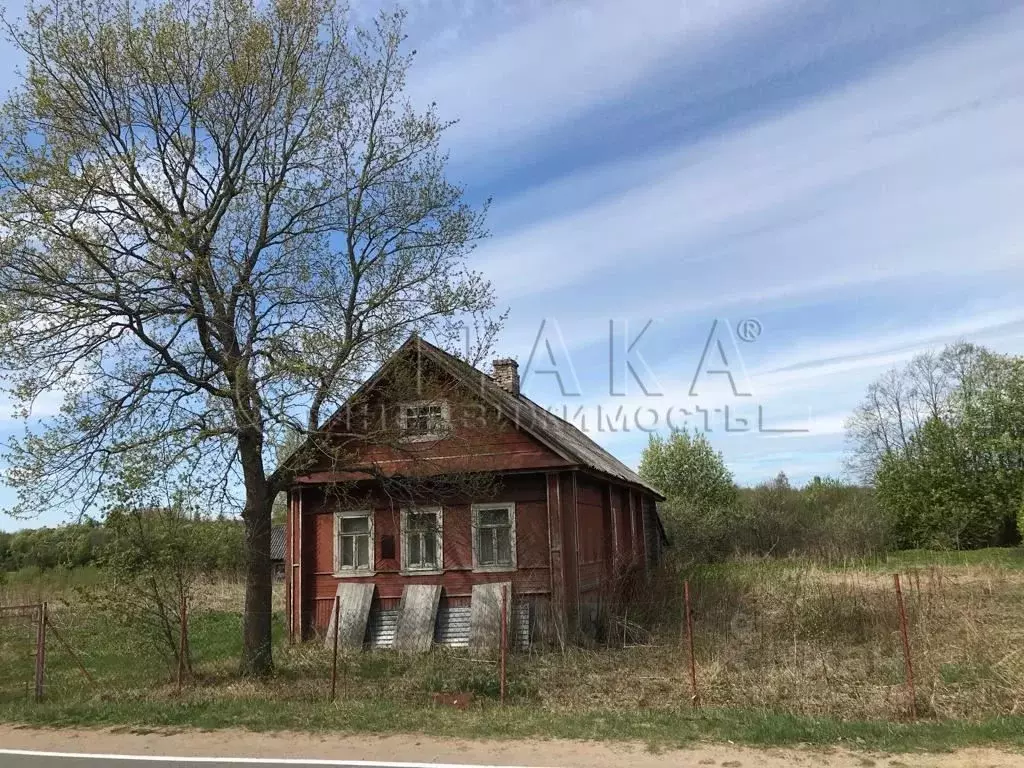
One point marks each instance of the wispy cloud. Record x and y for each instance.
(848, 173)
(564, 61)
(853, 188)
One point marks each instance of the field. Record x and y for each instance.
(786, 652)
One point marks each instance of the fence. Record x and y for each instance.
(26, 633)
(903, 630)
(853, 645)
(862, 645)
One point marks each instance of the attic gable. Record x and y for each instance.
(420, 372)
(417, 416)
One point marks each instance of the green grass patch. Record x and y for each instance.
(657, 728)
(999, 557)
(1003, 558)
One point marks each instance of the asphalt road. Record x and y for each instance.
(26, 759)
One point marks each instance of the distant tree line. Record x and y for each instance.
(707, 517)
(217, 546)
(937, 453)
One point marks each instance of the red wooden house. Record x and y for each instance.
(558, 518)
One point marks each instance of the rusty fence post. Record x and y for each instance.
(504, 640)
(906, 646)
(334, 652)
(182, 639)
(688, 623)
(40, 651)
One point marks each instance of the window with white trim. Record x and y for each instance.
(353, 542)
(494, 537)
(422, 539)
(424, 419)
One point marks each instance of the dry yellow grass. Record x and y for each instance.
(783, 638)
(816, 642)
(801, 640)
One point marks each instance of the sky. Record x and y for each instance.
(776, 200)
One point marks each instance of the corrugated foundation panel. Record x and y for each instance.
(381, 627)
(452, 628)
(520, 635)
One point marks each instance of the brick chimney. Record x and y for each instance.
(506, 374)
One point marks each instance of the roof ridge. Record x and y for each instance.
(614, 466)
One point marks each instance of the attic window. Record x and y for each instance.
(424, 420)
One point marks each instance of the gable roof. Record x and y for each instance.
(561, 436)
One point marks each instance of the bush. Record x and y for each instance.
(827, 520)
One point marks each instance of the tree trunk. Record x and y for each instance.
(257, 655)
(257, 658)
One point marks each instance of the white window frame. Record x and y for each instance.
(350, 572)
(439, 543)
(510, 506)
(437, 435)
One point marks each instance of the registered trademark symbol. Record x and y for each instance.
(749, 329)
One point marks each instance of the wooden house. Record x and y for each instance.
(534, 504)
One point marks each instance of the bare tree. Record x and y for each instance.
(896, 406)
(215, 218)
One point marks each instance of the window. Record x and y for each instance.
(424, 420)
(353, 543)
(421, 539)
(494, 537)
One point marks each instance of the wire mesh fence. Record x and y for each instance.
(760, 635)
(19, 649)
(840, 643)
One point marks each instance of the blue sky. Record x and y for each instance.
(849, 174)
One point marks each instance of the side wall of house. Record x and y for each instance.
(653, 533)
(613, 532)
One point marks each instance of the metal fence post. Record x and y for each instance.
(40, 651)
(906, 646)
(694, 698)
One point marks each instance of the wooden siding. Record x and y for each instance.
(624, 526)
(531, 577)
(480, 438)
(570, 545)
(636, 510)
(652, 540)
(553, 488)
(590, 505)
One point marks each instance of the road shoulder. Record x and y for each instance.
(420, 749)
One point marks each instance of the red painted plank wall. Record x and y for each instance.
(590, 503)
(532, 576)
(624, 526)
(481, 438)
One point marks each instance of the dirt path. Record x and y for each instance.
(555, 754)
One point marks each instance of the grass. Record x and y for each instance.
(658, 728)
(1004, 558)
(31, 585)
(1000, 557)
(787, 653)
